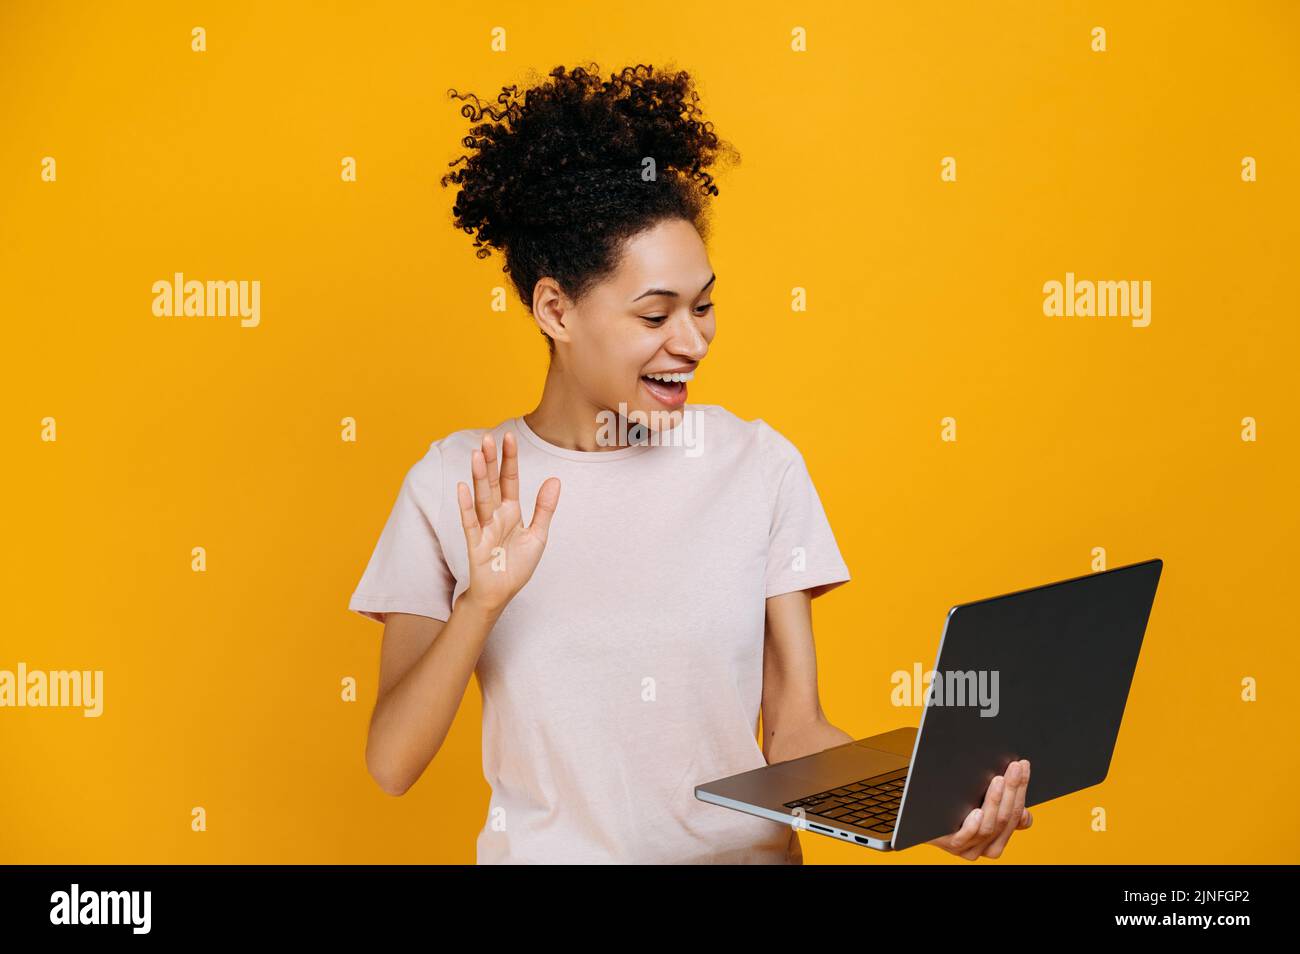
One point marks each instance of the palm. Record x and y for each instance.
(503, 553)
(507, 553)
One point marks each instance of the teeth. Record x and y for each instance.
(672, 378)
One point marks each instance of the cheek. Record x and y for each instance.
(631, 353)
(612, 363)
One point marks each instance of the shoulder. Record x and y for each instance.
(756, 435)
(752, 445)
(449, 455)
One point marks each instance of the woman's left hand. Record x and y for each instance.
(987, 830)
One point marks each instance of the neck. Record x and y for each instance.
(564, 417)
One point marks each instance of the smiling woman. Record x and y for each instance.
(594, 190)
(626, 641)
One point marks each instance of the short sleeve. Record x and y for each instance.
(802, 552)
(407, 572)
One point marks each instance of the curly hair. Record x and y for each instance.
(559, 177)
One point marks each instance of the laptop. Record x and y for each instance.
(1040, 674)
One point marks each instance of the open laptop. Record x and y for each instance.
(1040, 674)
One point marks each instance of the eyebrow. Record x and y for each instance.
(669, 292)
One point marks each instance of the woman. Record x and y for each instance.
(626, 641)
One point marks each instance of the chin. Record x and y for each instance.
(624, 417)
(654, 417)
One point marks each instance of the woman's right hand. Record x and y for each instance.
(503, 553)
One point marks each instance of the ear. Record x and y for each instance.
(552, 310)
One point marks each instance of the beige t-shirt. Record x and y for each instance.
(629, 669)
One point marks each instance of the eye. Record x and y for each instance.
(656, 320)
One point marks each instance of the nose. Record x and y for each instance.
(686, 339)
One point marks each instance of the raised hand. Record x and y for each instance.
(503, 553)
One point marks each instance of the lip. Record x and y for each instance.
(674, 398)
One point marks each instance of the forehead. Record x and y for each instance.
(671, 256)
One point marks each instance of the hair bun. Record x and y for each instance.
(576, 137)
(556, 176)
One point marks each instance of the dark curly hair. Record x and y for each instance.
(559, 177)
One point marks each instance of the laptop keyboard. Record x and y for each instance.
(872, 803)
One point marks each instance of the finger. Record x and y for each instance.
(1013, 788)
(493, 470)
(1013, 816)
(1027, 819)
(999, 844)
(468, 520)
(963, 836)
(992, 798)
(548, 495)
(482, 489)
(1021, 812)
(975, 845)
(509, 468)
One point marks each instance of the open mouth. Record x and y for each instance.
(668, 388)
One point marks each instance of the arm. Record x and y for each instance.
(424, 669)
(794, 724)
(425, 664)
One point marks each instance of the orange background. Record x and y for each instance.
(222, 688)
